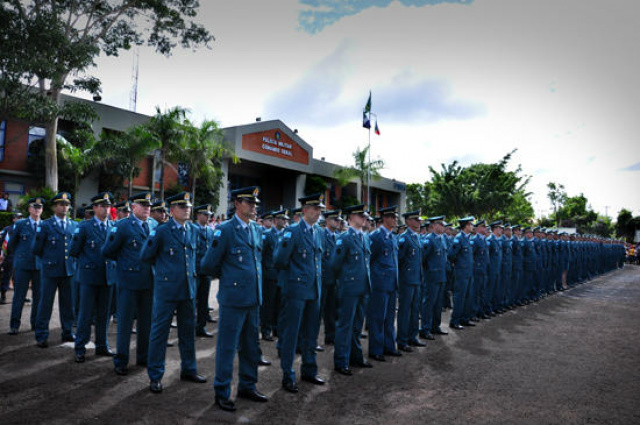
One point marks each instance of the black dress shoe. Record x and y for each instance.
(290, 386)
(393, 353)
(121, 370)
(405, 348)
(155, 387)
(439, 331)
(344, 371)
(363, 364)
(142, 363)
(485, 316)
(263, 362)
(470, 324)
(104, 351)
(204, 333)
(225, 404)
(429, 336)
(416, 343)
(193, 377)
(170, 344)
(42, 344)
(319, 348)
(79, 358)
(474, 319)
(363, 336)
(268, 338)
(253, 395)
(377, 357)
(68, 338)
(13, 331)
(456, 327)
(328, 342)
(313, 379)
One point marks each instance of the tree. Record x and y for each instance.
(203, 153)
(360, 170)
(574, 213)
(626, 225)
(557, 196)
(314, 184)
(44, 43)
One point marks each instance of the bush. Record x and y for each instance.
(6, 218)
(45, 193)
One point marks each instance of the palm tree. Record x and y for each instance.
(360, 170)
(203, 152)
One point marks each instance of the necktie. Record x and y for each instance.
(145, 227)
(35, 226)
(249, 235)
(182, 234)
(103, 228)
(63, 225)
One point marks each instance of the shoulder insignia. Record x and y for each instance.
(287, 235)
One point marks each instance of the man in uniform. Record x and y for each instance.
(135, 281)
(517, 261)
(123, 210)
(158, 212)
(461, 256)
(299, 251)
(53, 240)
(381, 316)
(204, 236)
(6, 263)
(480, 269)
(26, 265)
(507, 268)
(409, 279)
(329, 302)
(494, 245)
(435, 256)
(350, 264)
(96, 277)
(235, 258)
(172, 249)
(269, 277)
(530, 265)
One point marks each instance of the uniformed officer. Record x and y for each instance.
(235, 257)
(158, 214)
(384, 287)
(204, 237)
(6, 263)
(530, 265)
(52, 243)
(296, 215)
(172, 249)
(329, 302)
(123, 210)
(435, 256)
(494, 245)
(299, 251)
(351, 263)
(410, 275)
(281, 222)
(507, 269)
(269, 276)
(564, 258)
(26, 265)
(461, 256)
(135, 281)
(96, 276)
(481, 269)
(517, 260)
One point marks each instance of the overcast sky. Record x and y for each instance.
(451, 80)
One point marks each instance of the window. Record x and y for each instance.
(36, 133)
(3, 132)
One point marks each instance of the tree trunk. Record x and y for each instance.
(51, 156)
(193, 190)
(130, 184)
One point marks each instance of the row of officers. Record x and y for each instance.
(281, 279)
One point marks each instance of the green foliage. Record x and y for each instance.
(574, 213)
(346, 201)
(602, 226)
(557, 196)
(360, 170)
(45, 193)
(314, 184)
(484, 190)
(626, 225)
(6, 218)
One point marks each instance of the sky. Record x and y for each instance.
(464, 80)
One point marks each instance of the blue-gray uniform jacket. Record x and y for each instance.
(269, 244)
(529, 255)
(237, 261)
(204, 237)
(124, 244)
(20, 244)
(494, 245)
(517, 253)
(461, 255)
(507, 253)
(565, 254)
(86, 245)
(300, 249)
(351, 264)
(52, 245)
(172, 249)
(435, 256)
(328, 276)
(480, 255)
(384, 261)
(410, 258)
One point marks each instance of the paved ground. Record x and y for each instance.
(569, 359)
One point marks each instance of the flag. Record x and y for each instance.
(367, 107)
(5, 244)
(366, 123)
(377, 129)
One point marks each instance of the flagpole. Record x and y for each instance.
(369, 167)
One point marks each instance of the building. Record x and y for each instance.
(271, 155)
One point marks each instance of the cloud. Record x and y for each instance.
(323, 13)
(634, 167)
